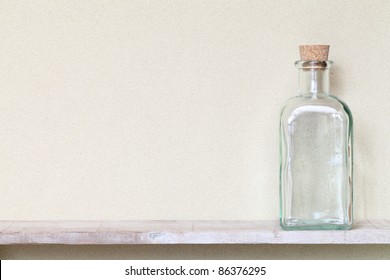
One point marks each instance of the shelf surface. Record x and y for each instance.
(184, 232)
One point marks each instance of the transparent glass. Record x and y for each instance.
(315, 155)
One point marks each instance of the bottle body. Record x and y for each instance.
(316, 137)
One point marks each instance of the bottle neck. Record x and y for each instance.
(313, 78)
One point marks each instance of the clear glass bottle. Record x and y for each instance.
(315, 151)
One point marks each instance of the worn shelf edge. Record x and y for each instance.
(184, 232)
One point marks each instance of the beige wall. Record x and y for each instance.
(169, 109)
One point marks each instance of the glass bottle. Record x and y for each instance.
(315, 151)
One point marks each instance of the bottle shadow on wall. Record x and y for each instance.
(362, 159)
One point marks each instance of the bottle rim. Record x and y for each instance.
(313, 64)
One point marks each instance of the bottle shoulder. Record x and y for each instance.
(299, 105)
(345, 107)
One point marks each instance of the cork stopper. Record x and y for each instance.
(314, 52)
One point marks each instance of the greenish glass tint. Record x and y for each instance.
(316, 152)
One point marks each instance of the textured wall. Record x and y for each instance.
(169, 109)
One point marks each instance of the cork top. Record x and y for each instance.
(314, 52)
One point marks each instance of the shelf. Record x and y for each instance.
(184, 232)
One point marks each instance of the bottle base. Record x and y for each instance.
(315, 225)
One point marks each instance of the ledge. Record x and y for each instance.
(184, 232)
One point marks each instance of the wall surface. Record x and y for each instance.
(169, 109)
